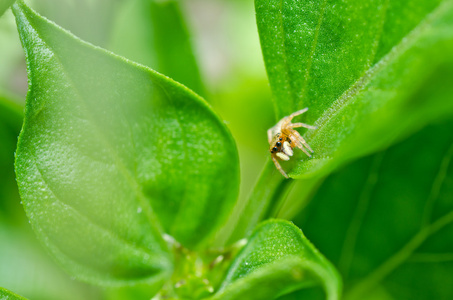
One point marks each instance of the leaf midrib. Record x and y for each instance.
(398, 258)
(129, 178)
(422, 235)
(312, 50)
(142, 251)
(360, 83)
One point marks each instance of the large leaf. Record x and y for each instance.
(7, 295)
(25, 268)
(360, 68)
(276, 260)
(386, 221)
(111, 153)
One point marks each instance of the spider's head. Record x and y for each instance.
(280, 146)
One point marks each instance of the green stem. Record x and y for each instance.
(267, 194)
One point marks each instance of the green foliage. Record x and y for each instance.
(7, 295)
(117, 128)
(130, 180)
(367, 81)
(391, 226)
(152, 33)
(365, 69)
(276, 260)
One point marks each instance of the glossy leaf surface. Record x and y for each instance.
(276, 260)
(113, 154)
(386, 220)
(369, 71)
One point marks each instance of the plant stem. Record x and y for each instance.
(270, 188)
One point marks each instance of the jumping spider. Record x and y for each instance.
(283, 138)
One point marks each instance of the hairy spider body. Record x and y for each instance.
(283, 138)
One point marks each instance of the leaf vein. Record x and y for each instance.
(87, 219)
(437, 185)
(313, 49)
(360, 83)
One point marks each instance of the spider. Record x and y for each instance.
(283, 138)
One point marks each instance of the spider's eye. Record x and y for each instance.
(274, 149)
(280, 139)
(278, 144)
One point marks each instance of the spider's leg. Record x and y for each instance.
(296, 113)
(298, 144)
(277, 165)
(297, 125)
(301, 147)
(287, 120)
(302, 142)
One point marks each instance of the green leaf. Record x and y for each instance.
(386, 221)
(360, 67)
(7, 295)
(276, 260)
(4, 5)
(90, 20)
(111, 155)
(22, 260)
(172, 44)
(155, 34)
(149, 32)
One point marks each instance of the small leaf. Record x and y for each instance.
(7, 295)
(359, 67)
(111, 152)
(386, 220)
(276, 260)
